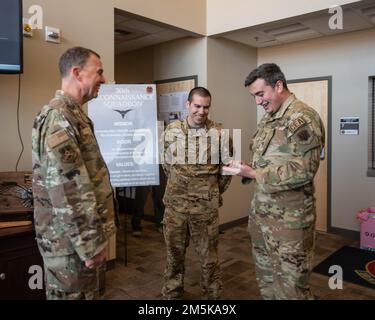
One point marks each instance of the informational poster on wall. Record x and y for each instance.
(172, 106)
(125, 123)
(172, 97)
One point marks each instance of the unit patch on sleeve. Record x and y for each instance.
(68, 154)
(304, 135)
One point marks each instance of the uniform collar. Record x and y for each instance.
(207, 126)
(74, 106)
(279, 113)
(68, 100)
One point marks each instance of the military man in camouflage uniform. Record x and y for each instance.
(285, 158)
(73, 198)
(193, 195)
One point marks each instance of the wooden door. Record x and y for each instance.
(315, 94)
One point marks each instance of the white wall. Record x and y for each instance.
(228, 65)
(223, 15)
(349, 59)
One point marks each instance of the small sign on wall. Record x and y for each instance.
(349, 125)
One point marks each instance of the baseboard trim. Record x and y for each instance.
(234, 223)
(344, 232)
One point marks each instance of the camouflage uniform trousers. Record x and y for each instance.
(282, 258)
(67, 278)
(203, 229)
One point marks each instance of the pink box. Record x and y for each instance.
(368, 234)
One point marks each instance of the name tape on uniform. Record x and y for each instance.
(57, 138)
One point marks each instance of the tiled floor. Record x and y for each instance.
(142, 277)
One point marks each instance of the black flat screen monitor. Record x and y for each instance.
(11, 36)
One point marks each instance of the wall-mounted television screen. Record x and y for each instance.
(11, 36)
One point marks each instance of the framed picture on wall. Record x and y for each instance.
(172, 95)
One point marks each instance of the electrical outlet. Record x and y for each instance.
(52, 34)
(26, 28)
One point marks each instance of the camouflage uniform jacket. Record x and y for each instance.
(73, 198)
(193, 170)
(285, 154)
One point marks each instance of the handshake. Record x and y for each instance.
(239, 168)
(232, 168)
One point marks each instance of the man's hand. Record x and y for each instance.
(97, 260)
(232, 168)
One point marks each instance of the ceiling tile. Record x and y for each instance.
(351, 21)
(120, 18)
(252, 38)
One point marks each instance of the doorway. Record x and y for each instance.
(316, 92)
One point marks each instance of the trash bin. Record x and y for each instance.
(367, 219)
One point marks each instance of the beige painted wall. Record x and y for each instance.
(181, 58)
(189, 15)
(223, 15)
(349, 59)
(87, 23)
(178, 58)
(40, 78)
(135, 66)
(228, 65)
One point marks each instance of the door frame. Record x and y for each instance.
(328, 150)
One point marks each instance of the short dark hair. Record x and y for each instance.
(269, 72)
(200, 91)
(76, 56)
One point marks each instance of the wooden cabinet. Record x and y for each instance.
(18, 252)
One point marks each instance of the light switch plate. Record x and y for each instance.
(52, 34)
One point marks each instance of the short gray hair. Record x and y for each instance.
(76, 56)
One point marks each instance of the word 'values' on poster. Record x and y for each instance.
(125, 124)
